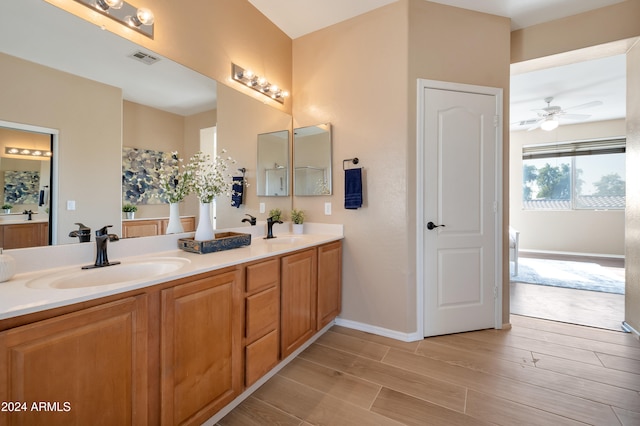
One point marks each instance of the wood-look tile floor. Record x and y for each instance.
(591, 308)
(537, 373)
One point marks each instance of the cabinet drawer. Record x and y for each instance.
(262, 311)
(261, 356)
(262, 275)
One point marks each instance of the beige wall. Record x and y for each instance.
(597, 27)
(88, 116)
(575, 231)
(632, 246)
(360, 75)
(354, 76)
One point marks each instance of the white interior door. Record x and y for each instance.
(460, 219)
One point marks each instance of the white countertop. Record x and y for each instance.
(16, 298)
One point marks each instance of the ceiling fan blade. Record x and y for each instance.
(535, 126)
(574, 116)
(587, 105)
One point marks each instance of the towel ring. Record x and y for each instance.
(354, 160)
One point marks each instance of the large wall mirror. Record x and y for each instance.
(273, 164)
(91, 86)
(312, 160)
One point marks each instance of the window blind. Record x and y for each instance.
(576, 148)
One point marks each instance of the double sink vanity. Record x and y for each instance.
(169, 337)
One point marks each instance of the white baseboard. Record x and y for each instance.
(385, 332)
(571, 253)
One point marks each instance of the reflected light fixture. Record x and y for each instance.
(257, 83)
(549, 124)
(139, 19)
(26, 152)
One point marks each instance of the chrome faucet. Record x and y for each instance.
(270, 222)
(251, 221)
(102, 238)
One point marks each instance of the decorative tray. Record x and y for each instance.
(223, 241)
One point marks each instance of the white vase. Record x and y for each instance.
(298, 228)
(175, 224)
(204, 231)
(7, 267)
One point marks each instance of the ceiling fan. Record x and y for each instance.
(549, 117)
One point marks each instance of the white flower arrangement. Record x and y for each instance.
(208, 177)
(175, 180)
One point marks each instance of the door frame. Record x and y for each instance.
(420, 219)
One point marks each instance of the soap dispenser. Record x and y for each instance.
(7, 267)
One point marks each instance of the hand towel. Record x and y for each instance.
(237, 191)
(353, 188)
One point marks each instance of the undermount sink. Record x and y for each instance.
(115, 274)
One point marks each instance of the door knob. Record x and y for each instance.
(432, 225)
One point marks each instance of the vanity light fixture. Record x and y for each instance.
(257, 83)
(140, 19)
(27, 152)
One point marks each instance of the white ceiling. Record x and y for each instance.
(42, 33)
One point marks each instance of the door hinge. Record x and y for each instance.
(495, 207)
(496, 121)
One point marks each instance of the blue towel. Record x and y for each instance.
(353, 188)
(237, 191)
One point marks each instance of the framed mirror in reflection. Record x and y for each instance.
(25, 180)
(312, 160)
(273, 164)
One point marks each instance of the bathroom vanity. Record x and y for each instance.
(174, 348)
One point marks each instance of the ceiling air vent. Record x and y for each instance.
(144, 57)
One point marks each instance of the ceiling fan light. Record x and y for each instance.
(549, 124)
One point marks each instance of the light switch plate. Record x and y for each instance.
(262, 208)
(71, 204)
(327, 209)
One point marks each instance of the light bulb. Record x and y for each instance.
(145, 16)
(114, 4)
(549, 124)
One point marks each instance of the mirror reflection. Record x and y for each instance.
(273, 164)
(98, 99)
(312, 160)
(25, 179)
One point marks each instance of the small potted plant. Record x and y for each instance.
(276, 214)
(129, 210)
(7, 208)
(297, 217)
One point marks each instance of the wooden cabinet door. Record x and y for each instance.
(22, 235)
(298, 300)
(141, 228)
(201, 348)
(329, 282)
(84, 368)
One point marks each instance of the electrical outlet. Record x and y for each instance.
(327, 209)
(262, 208)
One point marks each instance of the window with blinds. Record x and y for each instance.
(586, 174)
